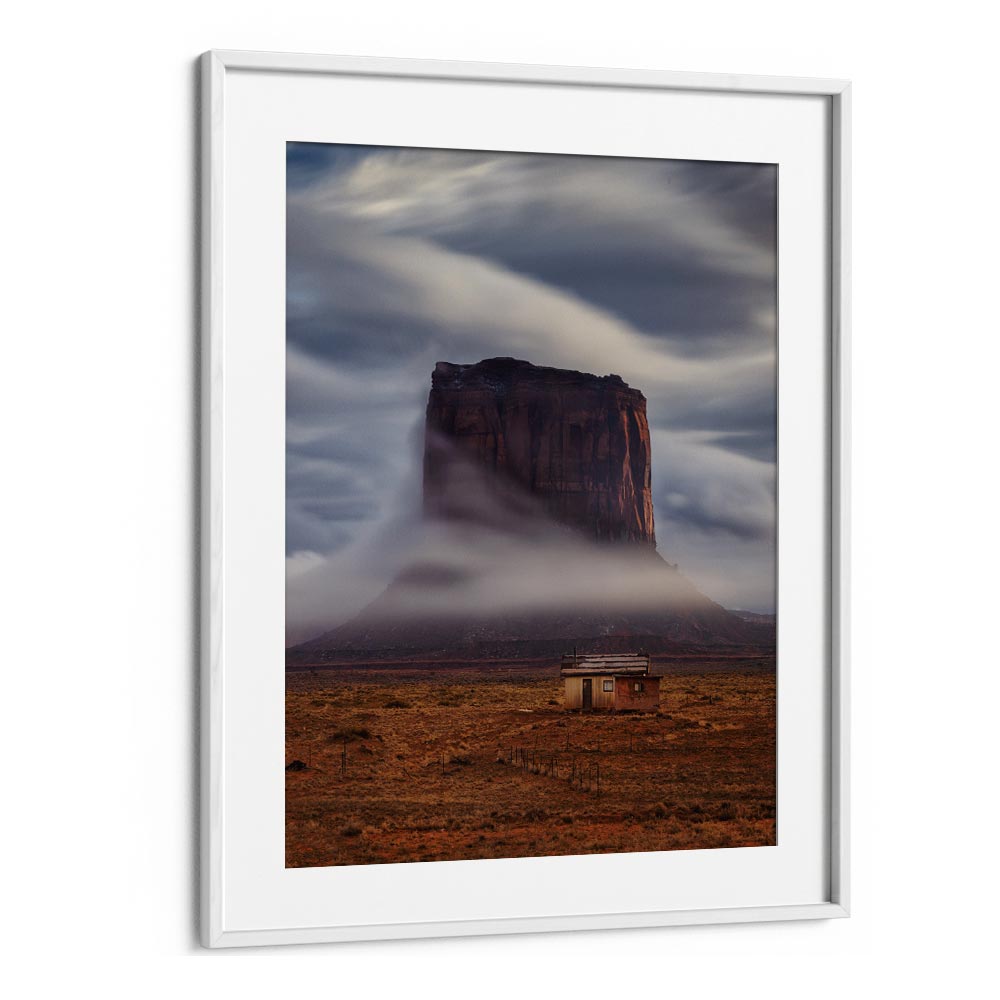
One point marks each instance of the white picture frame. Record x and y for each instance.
(246, 899)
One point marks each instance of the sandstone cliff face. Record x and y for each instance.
(577, 443)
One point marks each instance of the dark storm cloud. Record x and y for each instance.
(660, 271)
(682, 250)
(758, 443)
(741, 420)
(661, 285)
(307, 162)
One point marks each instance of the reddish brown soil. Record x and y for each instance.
(408, 764)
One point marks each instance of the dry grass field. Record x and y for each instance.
(438, 764)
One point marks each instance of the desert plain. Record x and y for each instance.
(437, 762)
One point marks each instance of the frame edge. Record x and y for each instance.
(211, 107)
(528, 925)
(527, 73)
(840, 429)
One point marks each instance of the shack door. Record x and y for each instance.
(588, 692)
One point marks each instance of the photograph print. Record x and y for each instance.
(531, 458)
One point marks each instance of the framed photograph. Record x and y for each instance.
(525, 429)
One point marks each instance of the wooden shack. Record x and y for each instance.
(616, 682)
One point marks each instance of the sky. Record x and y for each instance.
(661, 271)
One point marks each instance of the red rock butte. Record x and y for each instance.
(515, 446)
(577, 443)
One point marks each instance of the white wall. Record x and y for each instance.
(98, 378)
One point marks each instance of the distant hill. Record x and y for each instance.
(753, 616)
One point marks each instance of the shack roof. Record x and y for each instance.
(580, 664)
(615, 674)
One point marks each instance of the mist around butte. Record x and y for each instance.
(536, 530)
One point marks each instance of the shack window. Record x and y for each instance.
(638, 686)
(609, 685)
